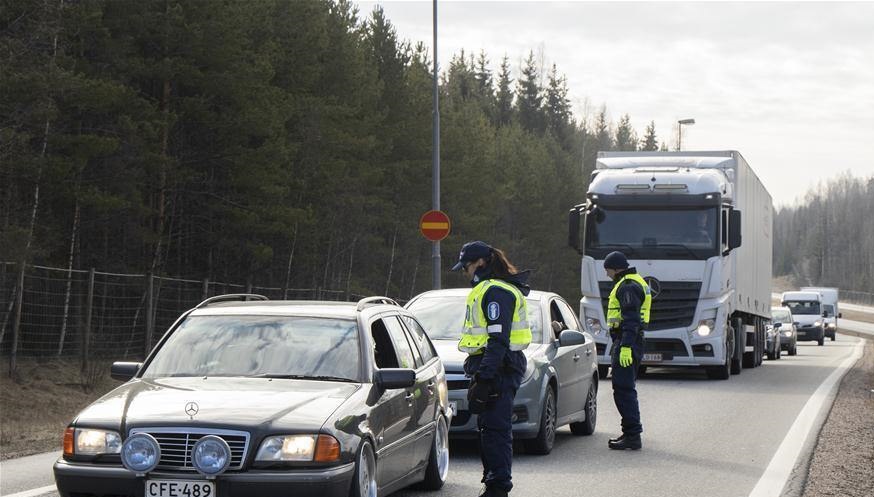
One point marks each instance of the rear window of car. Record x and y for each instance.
(781, 316)
(260, 345)
(443, 316)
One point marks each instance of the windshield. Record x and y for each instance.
(781, 316)
(443, 317)
(260, 346)
(653, 233)
(803, 307)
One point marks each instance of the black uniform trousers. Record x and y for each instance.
(625, 388)
(496, 434)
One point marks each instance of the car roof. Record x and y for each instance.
(302, 308)
(464, 292)
(781, 308)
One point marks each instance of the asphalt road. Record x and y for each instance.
(702, 437)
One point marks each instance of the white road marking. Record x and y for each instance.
(780, 468)
(36, 491)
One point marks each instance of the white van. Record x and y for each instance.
(806, 308)
(829, 306)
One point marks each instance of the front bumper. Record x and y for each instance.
(674, 347)
(812, 333)
(83, 479)
(527, 407)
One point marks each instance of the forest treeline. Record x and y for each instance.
(827, 239)
(288, 144)
(275, 142)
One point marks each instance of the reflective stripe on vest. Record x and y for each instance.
(475, 334)
(614, 311)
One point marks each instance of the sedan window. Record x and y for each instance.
(260, 346)
(421, 339)
(443, 317)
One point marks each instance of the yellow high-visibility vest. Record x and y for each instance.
(476, 333)
(614, 312)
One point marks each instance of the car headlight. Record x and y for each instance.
(705, 327)
(818, 323)
(529, 370)
(140, 453)
(88, 442)
(211, 455)
(288, 448)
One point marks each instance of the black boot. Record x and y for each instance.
(626, 442)
(620, 438)
(488, 491)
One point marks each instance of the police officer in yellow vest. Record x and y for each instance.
(495, 333)
(627, 316)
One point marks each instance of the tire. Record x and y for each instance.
(779, 351)
(438, 461)
(542, 444)
(602, 372)
(773, 355)
(587, 426)
(833, 337)
(793, 350)
(739, 344)
(364, 481)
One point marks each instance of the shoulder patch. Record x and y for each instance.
(494, 311)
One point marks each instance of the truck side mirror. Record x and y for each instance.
(734, 230)
(573, 223)
(840, 315)
(825, 314)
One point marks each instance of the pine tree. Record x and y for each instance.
(505, 95)
(558, 109)
(626, 137)
(529, 97)
(650, 143)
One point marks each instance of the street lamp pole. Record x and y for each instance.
(435, 183)
(680, 124)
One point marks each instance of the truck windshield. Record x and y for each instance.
(803, 307)
(653, 233)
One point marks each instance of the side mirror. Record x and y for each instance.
(124, 371)
(778, 324)
(573, 223)
(734, 231)
(840, 315)
(571, 337)
(391, 378)
(825, 314)
(796, 323)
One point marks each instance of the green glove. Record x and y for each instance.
(625, 359)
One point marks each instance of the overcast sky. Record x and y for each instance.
(790, 85)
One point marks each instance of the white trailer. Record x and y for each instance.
(698, 227)
(829, 306)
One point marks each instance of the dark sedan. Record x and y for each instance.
(267, 398)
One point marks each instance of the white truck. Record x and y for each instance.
(829, 307)
(806, 308)
(698, 227)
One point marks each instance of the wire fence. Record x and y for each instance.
(97, 316)
(863, 298)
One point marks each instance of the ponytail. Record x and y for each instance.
(500, 266)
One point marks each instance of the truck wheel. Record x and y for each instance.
(820, 341)
(602, 372)
(833, 337)
(740, 343)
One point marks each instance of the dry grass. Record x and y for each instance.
(42, 399)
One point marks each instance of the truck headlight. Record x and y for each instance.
(319, 448)
(705, 327)
(594, 326)
(93, 442)
(832, 325)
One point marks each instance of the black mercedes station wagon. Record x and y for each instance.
(249, 397)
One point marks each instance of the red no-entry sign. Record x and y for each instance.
(434, 225)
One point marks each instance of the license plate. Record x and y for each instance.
(179, 488)
(453, 407)
(652, 357)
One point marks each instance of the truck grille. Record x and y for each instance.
(176, 445)
(673, 307)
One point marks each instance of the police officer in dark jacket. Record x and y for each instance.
(627, 315)
(495, 332)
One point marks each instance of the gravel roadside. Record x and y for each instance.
(843, 461)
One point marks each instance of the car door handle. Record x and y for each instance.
(409, 397)
(576, 357)
(588, 352)
(431, 387)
